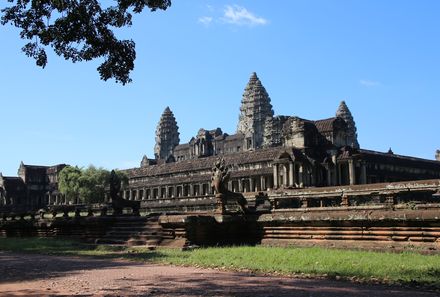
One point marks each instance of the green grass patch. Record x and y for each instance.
(404, 268)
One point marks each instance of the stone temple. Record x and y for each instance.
(268, 152)
(278, 180)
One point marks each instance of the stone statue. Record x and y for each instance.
(219, 181)
(118, 203)
(220, 176)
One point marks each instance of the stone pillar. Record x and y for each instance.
(301, 176)
(339, 173)
(352, 172)
(286, 176)
(191, 190)
(363, 173)
(345, 201)
(240, 185)
(230, 186)
(263, 183)
(275, 176)
(131, 195)
(251, 185)
(291, 175)
(329, 176)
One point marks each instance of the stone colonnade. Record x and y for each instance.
(247, 184)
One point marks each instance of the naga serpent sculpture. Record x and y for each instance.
(118, 203)
(219, 181)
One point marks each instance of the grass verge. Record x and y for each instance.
(404, 268)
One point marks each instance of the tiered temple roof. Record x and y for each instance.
(345, 114)
(167, 135)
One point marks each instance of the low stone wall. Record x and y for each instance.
(86, 226)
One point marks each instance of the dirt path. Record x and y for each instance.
(39, 275)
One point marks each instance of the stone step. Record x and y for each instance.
(127, 233)
(136, 229)
(140, 242)
(111, 241)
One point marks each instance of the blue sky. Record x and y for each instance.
(382, 57)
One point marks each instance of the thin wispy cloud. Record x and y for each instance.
(238, 15)
(210, 7)
(205, 20)
(232, 15)
(369, 83)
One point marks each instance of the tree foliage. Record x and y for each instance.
(79, 30)
(69, 183)
(86, 185)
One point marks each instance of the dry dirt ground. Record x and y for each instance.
(40, 275)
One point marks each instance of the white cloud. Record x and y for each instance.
(369, 83)
(210, 7)
(205, 20)
(238, 15)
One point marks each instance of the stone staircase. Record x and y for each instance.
(137, 231)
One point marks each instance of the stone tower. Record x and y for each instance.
(344, 113)
(167, 135)
(437, 155)
(255, 109)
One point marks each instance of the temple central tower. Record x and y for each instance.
(255, 108)
(167, 135)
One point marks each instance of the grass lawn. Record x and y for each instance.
(403, 268)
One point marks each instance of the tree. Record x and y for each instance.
(88, 185)
(93, 182)
(79, 30)
(69, 183)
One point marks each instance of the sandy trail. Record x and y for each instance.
(41, 275)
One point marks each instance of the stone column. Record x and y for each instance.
(131, 195)
(262, 183)
(345, 201)
(240, 185)
(286, 176)
(351, 171)
(191, 190)
(275, 176)
(363, 173)
(251, 185)
(230, 186)
(301, 176)
(339, 173)
(329, 176)
(291, 174)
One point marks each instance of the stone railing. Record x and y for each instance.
(412, 194)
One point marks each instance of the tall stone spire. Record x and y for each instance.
(167, 135)
(255, 108)
(344, 113)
